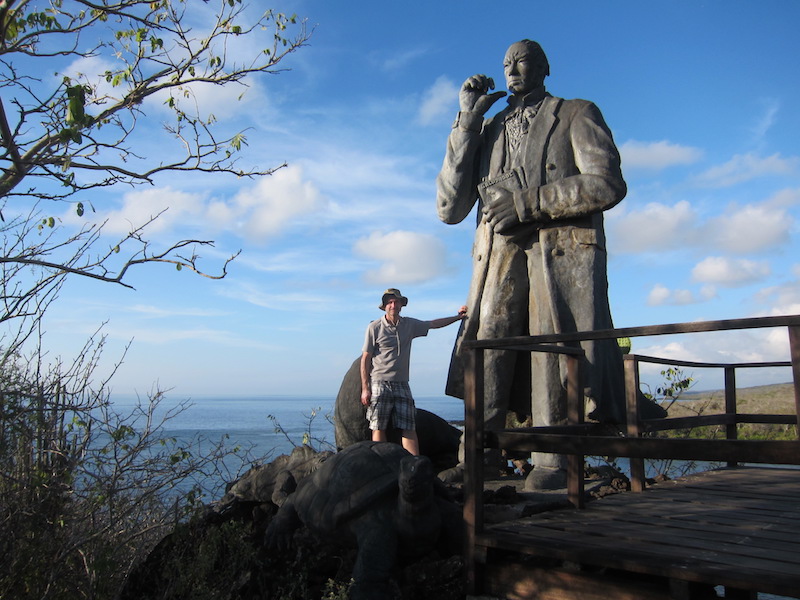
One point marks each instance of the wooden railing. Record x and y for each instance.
(577, 439)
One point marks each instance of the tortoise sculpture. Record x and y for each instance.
(381, 497)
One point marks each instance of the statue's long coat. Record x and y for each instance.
(549, 276)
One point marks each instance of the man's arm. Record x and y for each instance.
(445, 321)
(366, 370)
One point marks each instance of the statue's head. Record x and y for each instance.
(525, 67)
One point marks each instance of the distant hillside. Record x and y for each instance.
(776, 398)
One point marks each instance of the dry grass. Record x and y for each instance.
(776, 399)
(763, 399)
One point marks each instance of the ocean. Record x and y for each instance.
(251, 422)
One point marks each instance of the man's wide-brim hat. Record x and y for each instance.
(392, 293)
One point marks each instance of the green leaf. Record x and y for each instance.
(237, 141)
(179, 267)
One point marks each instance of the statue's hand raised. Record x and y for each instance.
(474, 96)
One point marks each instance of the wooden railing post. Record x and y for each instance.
(633, 428)
(794, 351)
(575, 412)
(731, 429)
(473, 468)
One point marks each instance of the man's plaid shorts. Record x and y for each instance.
(391, 406)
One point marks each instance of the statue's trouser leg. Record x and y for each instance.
(503, 313)
(548, 383)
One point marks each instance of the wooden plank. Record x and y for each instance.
(635, 538)
(523, 582)
(750, 533)
(713, 539)
(653, 559)
(649, 330)
(657, 564)
(749, 451)
(746, 537)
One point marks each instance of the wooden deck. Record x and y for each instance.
(738, 528)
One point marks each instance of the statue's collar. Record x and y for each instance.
(532, 98)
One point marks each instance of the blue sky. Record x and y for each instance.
(702, 98)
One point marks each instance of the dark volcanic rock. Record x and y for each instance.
(221, 555)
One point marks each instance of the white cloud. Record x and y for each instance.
(675, 350)
(438, 101)
(657, 155)
(730, 272)
(654, 227)
(744, 167)
(660, 295)
(750, 228)
(739, 230)
(318, 261)
(767, 119)
(149, 310)
(786, 198)
(265, 209)
(725, 347)
(781, 299)
(259, 212)
(269, 298)
(207, 99)
(203, 336)
(402, 59)
(201, 98)
(141, 206)
(91, 70)
(405, 257)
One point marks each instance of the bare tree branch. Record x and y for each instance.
(65, 137)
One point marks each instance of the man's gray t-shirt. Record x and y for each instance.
(390, 346)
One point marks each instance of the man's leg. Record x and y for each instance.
(378, 412)
(404, 416)
(410, 441)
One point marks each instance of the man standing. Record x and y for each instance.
(542, 170)
(385, 363)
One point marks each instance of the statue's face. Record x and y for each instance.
(523, 73)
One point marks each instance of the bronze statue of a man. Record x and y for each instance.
(542, 170)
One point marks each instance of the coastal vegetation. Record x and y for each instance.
(85, 492)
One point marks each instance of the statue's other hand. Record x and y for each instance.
(474, 96)
(500, 212)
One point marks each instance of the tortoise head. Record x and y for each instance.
(416, 478)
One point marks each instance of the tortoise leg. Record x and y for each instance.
(375, 561)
